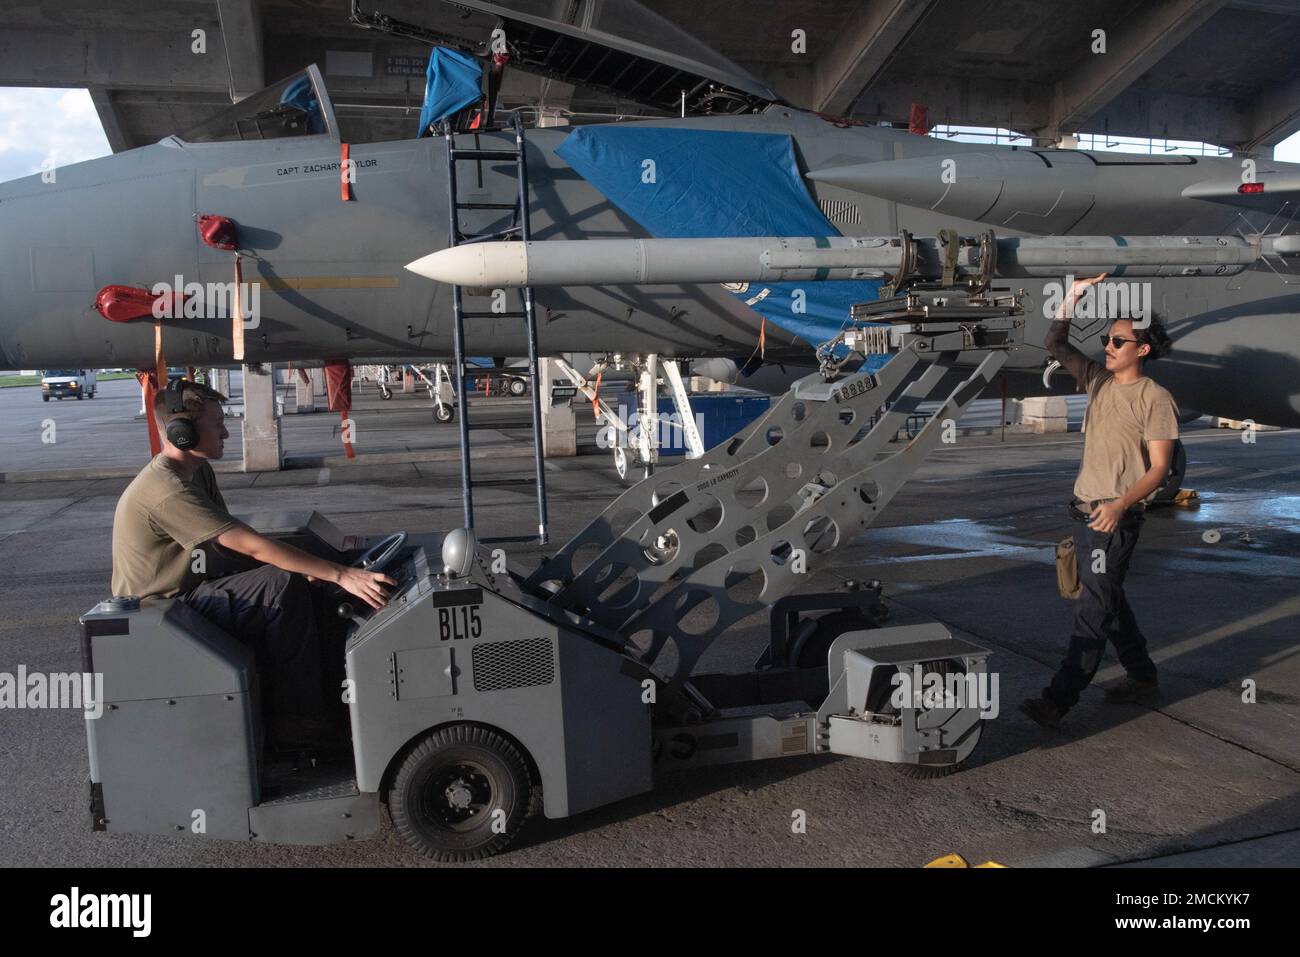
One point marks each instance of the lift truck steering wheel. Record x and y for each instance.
(374, 559)
(377, 557)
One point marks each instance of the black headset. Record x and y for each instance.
(181, 430)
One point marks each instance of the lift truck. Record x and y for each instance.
(482, 692)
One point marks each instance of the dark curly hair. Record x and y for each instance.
(1155, 336)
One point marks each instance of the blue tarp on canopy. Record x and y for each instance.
(452, 83)
(300, 93)
(709, 183)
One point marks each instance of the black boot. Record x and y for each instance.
(1133, 691)
(1043, 711)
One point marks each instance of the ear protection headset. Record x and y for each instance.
(181, 431)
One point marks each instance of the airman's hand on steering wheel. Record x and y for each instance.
(368, 586)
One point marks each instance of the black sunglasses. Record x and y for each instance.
(1117, 340)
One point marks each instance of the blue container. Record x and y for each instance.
(718, 415)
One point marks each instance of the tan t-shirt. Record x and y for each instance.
(1118, 424)
(161, 519)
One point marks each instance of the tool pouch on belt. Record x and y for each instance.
(1067, 569)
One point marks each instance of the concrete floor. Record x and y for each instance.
(1201, 778)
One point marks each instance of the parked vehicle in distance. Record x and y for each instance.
(67, 383)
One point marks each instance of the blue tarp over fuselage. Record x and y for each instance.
(690, 184)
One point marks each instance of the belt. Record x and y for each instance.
(1085, 515)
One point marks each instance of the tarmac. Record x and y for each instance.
(1205, 776)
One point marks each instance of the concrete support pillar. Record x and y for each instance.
(262, 448)
(1068, 141)
(220, 380)
(305, 392)
(559, 423)
(408, 382)
(1045, 414)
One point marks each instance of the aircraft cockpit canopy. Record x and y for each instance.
(294, 106)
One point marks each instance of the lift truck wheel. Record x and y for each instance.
(1173, 482)
(925, 772)
(461, 794)
(443, 412)
(518, 386)
(813, 651)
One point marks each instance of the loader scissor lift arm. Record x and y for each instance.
(774, 502)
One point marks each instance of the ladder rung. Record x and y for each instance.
(485, 237)
(487, 205)
(505, 155)
(494, 315)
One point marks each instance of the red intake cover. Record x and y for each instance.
(125, 303)
(219, 232)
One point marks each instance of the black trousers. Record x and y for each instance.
(1102, 612)
(272, 612)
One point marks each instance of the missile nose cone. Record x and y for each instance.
(476, 264)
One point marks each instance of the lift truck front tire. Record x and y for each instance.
(461, 794)
(925, 772)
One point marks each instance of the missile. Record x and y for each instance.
(599, 262)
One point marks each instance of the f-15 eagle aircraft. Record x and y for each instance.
(322, 229)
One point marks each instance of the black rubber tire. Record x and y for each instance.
(385, 394)
(45, 398)
(1173, 482)
(496, 765)
(80, 396)
(518, 387)
(829, 627)
(444, 413)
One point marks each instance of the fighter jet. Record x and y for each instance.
(266, 196)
